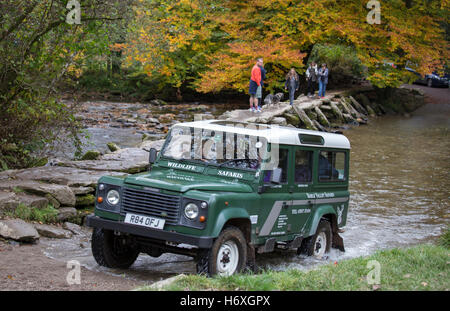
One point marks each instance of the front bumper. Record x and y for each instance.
(97, 222)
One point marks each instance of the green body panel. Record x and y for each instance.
(280, 212)
(319, 212)
(225, 215)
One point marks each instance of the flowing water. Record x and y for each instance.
(399, 184)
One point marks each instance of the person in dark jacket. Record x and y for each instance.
(291, 84)
(311, 78)
(323, 80)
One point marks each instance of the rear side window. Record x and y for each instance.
(332, 166)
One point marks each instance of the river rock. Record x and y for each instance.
(158, 102)
(65, 213)
(8, 201)
(74, 228)
(19, 230)
(166, 118)
(152, 121)
(63, 194)
(52, 232)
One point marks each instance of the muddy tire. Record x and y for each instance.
(227, 256)
(112, 251)
(320, 243)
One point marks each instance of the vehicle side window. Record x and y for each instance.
(303, 166)
(332, 166)
(283, 164)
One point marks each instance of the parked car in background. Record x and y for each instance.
(431, 80)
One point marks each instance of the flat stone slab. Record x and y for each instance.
(265, 116)
(63, 194)
(128, 160)
(19, 230)
(68, 176)
(52, 232)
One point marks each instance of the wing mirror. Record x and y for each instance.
(152, 155)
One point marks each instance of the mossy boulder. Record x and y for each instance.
(112, 146)
(85, 200)
(292, 119)
(91, 155)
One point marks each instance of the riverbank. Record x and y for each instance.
(422, 267)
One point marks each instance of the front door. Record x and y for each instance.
(275, 201)
(302, 182)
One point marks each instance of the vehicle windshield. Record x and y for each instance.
(222, 149)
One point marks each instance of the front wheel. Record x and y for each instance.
(320, 243)
(113, 251)
(227, 256)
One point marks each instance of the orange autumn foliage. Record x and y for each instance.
(213, 44)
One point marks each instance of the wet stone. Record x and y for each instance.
(19, 230)
(52, 232)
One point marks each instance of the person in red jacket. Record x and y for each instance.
(255, 85)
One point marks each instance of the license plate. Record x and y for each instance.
(145, 221)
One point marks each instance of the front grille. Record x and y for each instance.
(150, 203)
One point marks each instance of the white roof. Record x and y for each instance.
(273, 133)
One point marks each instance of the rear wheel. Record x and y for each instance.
(320, 243)
(227, 256)
(113, 251)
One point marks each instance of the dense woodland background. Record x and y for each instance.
(178, 50)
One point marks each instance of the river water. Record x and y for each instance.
(399, 184)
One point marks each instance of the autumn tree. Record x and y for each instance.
(171, 40)
(213, 44)
(39, 49)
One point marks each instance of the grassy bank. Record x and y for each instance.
(423, 267)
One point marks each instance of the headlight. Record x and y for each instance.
(113, 197)
(191, 210)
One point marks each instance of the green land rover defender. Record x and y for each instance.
(223, 191)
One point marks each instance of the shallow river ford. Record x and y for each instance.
(399, 183)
